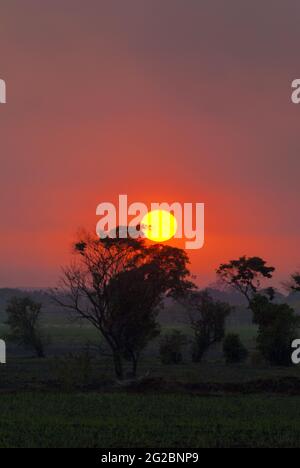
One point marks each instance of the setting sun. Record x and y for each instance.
(159, 225)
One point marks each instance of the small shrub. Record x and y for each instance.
(257, 360)
(171, 347)
(234, 350)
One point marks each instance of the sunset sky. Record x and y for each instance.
(165, 100)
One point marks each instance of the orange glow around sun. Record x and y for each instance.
(159, 225)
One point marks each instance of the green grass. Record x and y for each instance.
(32, 374)
(121, 420)
(36, 411)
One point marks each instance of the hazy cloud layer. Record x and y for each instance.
(168, 99)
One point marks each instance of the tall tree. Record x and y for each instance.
(118, 285)
(245, 275)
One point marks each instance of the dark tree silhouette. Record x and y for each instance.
(233, 349)
(118, 285)
(277, 328)
(245, 275)
(207, 318)
(23, 321)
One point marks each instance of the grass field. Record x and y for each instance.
(122, 420)
(48, 403)
(35, 374)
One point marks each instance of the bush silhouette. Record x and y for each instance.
(171, 347)
(234, 350)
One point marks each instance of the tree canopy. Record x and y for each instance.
(119, 285)
(245, 274)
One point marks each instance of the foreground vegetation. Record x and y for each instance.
(122, 420)
(66, 402)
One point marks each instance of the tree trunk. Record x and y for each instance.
(118, 365)
(134, 366)
(41, 354)
(40, 351)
